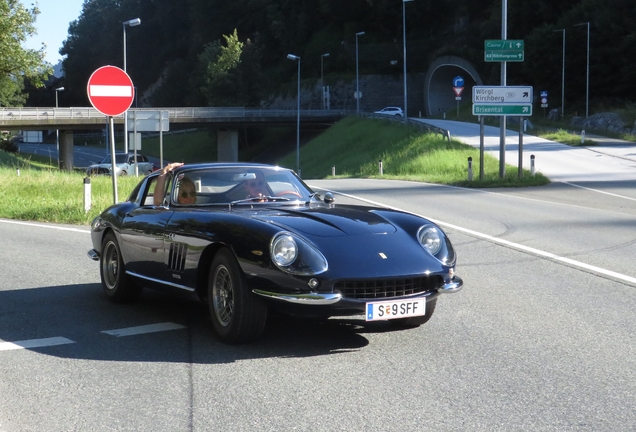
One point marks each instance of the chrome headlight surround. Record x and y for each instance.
(434, 241)
(430, 239)
(295, 255)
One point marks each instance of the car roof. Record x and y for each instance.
(211, 165)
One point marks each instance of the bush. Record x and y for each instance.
(7, 144)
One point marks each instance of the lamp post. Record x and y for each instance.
(357, 80)
(562, 75)
(57, 131)
(587, 74)
(404, 43)
(296, 58)
(322, 82)
(132, 23)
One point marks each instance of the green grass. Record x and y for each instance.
(355, 146)
(35, 193)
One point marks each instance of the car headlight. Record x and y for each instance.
(295, 255)
(284, 250)
(430, 238)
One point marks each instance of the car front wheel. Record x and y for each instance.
(116, 283)
(238, 316)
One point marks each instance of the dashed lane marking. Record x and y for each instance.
(151, 328)
(34, 343)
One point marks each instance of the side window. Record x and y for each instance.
(148, 200)
(151, 191)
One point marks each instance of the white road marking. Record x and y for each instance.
(151, 328)
(507, 243)
(34, 343)
(599, 191)
(45, 226)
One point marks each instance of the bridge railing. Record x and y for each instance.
(174, 113)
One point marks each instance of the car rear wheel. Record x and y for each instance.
(416, 321)
(116, 283)
(238, 316)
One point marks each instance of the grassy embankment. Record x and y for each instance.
(353, 146)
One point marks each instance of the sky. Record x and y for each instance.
(52, 25)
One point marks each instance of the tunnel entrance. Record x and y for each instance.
(439, 96)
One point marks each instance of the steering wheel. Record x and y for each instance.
(289, 192)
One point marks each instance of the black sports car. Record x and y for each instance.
(248, 237)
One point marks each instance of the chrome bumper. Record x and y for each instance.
(93, 254)
(308, 299)
(318, 299)
(453, 286)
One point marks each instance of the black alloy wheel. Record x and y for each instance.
(238, 316)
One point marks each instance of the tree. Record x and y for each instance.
(220, 64)
(18, 64)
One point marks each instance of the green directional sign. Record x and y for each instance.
(498, 50)
(502, 109)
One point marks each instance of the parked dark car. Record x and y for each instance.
(285, 247)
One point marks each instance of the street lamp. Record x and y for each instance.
(562, 75)
(132, 23)
(296, 58)
(587, 76)
(322, 83)
(357, 81)
(57, 131)
(404, 42)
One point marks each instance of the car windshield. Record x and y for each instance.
(238, 186)
(119, 158)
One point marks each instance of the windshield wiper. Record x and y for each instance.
(259, 199)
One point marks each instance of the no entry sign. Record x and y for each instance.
(110, 90)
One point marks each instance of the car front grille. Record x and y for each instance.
(387, 288)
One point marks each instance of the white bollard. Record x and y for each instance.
(380, 166)
(470, 169)
(17, 171)
(333, 170)
(583, 136)
(532, 164)
(87, 194)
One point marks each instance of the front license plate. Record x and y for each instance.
(392, 309)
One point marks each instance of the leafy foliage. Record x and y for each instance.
(18, 64)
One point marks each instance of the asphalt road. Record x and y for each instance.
(540, 339)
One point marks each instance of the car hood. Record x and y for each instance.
(328, 222)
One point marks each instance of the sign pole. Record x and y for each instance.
(161, 140)
(521, 147)
(111, 125)
(135, 141)
(481, 147)
(502, 119)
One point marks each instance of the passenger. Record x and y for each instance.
(187, 192)
(160, 187)
(256, 187)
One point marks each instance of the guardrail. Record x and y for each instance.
(174, 113)
(421, 125)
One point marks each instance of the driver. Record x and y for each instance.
(256, 187)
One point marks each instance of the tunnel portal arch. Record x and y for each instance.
(438, 85)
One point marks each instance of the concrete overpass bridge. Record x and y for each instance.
(227, 120)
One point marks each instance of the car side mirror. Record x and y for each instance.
(328, 199)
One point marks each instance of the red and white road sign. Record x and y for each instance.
(110, 90)
(458, 91)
